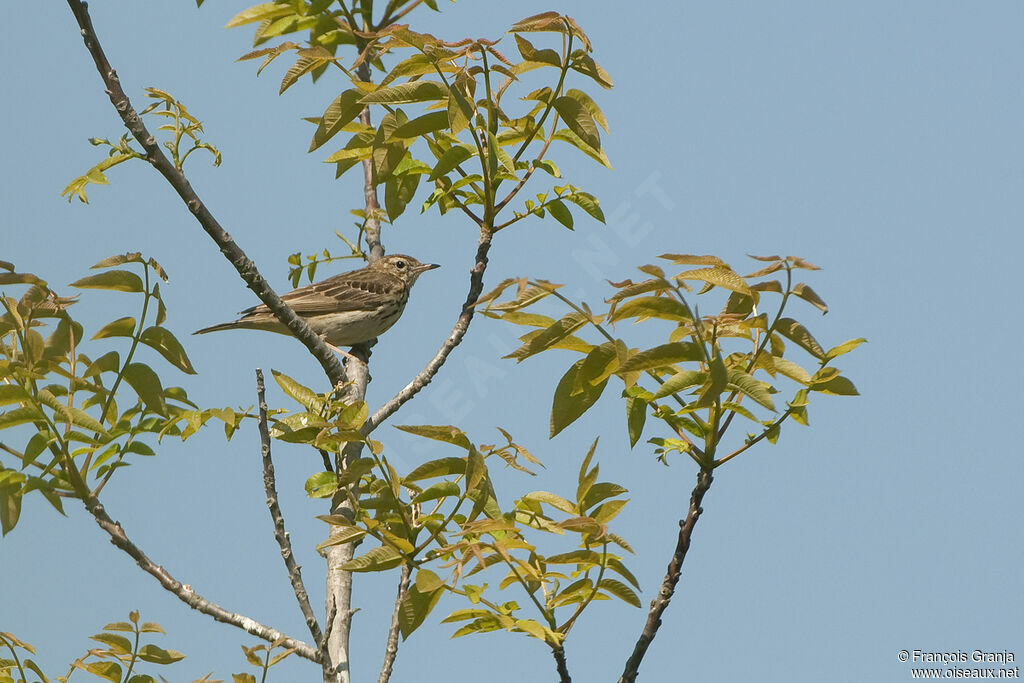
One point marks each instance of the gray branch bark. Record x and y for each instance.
(283, 540)
(668, 586)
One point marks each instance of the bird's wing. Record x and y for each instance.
(347, 292)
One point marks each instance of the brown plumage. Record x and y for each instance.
(346, 309)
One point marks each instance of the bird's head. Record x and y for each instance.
(401, 266)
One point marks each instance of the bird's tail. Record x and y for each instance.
(218, 328)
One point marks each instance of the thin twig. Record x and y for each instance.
(476, 286)
(269, 483)
(668, 586)
(245, 267)
(392, 648)
(185, 593)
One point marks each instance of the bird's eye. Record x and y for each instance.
(399, 264)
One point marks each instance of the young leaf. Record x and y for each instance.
(560, 212)
(146, 384)
(416, 91)
(379, 559)
(416, 605)
(679, 381)
(122, 327)
(755, 389)
(661, 356)
(567, 407)
(445, 433)
(619, 590)
(797, 333)
(117, 280)
(342, 111)
(161, 339)
(845, 347)
(809, 295)
(636, 416)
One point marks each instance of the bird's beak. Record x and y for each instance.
(423, 267)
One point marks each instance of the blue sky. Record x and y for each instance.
(880, 140)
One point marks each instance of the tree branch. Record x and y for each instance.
(246, 268)
(668, 586)
(269, 483)
(563, 669)
(392, 648)
(476, 286)
(185, 593)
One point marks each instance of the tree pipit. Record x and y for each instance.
(346, 309)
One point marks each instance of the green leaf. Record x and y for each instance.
(398, 192)
(636, 417)
(619, 590)
(795, 332)
(441, 467)
(476, 470)
(417, 604)
(531, 54)
(442, 489)
(422, 125)
(755, 389)
(567, 407)
(449, 160)
(305, 396)
(445, 433)
(167, 345)
(108, 670)
(718, 378)
(586, 65)
(808, 295)
(342, 111)
(108, 362)
(661, 356)
(416, 91)
(17, 416)
(591, 107)
(597, 366)
(845, 347)
(645, 307)
(12, 393)
(679, 381)
(341, 536)
(560, 212)
(838, 385)
(10, 507)
(122, 327)
(584, 200)
(379, 559)
(86, 421)
(262, 12)
(601, 491)
(119, 626)
(606, 512)
(578, 119)
(792, 370)
(157, 655)
(117, 280)
(721, 276)
(146, 384)
(551, 335)
(427, 581)
(567, 135)
(553, 500)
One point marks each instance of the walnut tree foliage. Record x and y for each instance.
(451, 126)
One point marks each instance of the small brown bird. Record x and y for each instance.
(346, 309)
